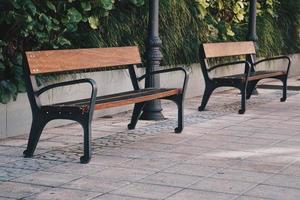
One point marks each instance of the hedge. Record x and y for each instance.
(184, 24)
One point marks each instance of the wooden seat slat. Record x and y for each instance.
(141, 98)
(124, 98)
(255, 75)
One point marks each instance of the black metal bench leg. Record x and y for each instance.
(179, 103)
(251, 86)
(284, 89)
(243, 100)
(138, 107)
(86, 143)
(207, 92)
(37, 127)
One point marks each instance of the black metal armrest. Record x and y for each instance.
(247, 65)
(186, 75)
(72, 82)
(276, 58)
(163, 71)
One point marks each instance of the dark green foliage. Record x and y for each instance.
(58, 24)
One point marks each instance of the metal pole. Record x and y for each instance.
(252, 34)
(152, 110)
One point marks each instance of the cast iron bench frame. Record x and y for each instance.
(245, 82)
(77, 60)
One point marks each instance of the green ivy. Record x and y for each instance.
(59, 24)
(47, 24)
(223, 16)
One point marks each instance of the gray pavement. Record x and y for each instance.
(220, 155)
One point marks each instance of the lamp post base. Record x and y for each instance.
(152, 111)
(255, 92)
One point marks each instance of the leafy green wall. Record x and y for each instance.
(184, 24)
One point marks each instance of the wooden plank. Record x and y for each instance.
(124, 98)
(223, 49)
(137, 99)
(256, 75)
(41, 62)
(266, 75)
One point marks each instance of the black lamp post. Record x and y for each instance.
(152, 110)
(252, 34)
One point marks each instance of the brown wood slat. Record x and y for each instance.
(142, 98)
(223, 49)
(41, 62)
(266, 74)
(256, 76)
(125, 98)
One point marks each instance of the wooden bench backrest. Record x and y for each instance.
(212, 50)
(41, 62)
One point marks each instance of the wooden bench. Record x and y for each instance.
(77, 60)
(246, 81)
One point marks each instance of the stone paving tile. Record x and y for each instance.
(167, 139)
(197, 195)
(148, 164)
(241, 175)
(272, 159)
(192, 170)
(204, 160)
(257, 166)
(228, 154)
(95, 184)
(292, 170)
(4, 198)
(284, 181)
(63, 194)
(245, 147)
(124, 174)
(67, 139)
(149, 191)
(224, 186)
(148, 146)
(12, 173)
(108, 160)
(204, 143)
(250, 198)
(224, 138)
(52, 145)
(19, 190)
(117, 197)
(169, 179)
(257, 141)
(13, 142)
(59, 155)
(184, 149)
(123, 152)
(59, 130)
(168, 156)
(76, 169)
(274, 192)
(12, 151)
(32, 164)
(7, 159)
(47, 178)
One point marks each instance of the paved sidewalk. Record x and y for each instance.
(220, 155)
